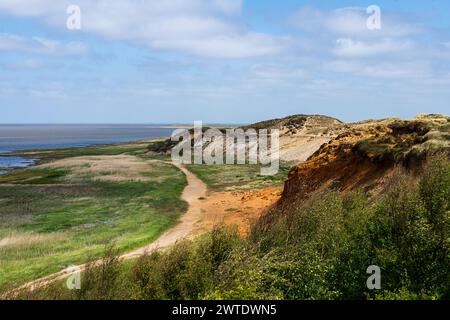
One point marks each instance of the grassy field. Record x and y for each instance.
(237, 177)
(78, 200)
(54, 216)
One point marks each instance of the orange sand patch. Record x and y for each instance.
(241, 208)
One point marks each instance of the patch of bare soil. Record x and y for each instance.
(240, 208)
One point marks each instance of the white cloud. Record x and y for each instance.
(15, 43)
(351, 48)
(399, 70)
(407, 70)
(25, 64)
(233, 46)
(275, 73)
(350, 21)
(201, 27)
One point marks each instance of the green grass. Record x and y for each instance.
(233, 177)
(33, 176)
(76, 221)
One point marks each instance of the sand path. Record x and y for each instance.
(187, 224)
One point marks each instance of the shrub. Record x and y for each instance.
(100, 282)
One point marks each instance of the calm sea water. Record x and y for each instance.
(20, 137)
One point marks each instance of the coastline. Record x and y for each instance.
(25, 145)
(34, 157)
(13, 157)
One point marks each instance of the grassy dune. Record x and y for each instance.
(54, 215)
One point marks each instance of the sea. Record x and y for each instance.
(26, 137)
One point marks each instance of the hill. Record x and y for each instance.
(367, 153)
(300, 135)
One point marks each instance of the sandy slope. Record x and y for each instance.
(239, 208)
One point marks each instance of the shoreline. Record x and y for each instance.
(30, 154)
(25, 163)
(27, 158)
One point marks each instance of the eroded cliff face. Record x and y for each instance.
(366, 154)
(300, 136)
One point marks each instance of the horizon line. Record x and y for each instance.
(174, 124)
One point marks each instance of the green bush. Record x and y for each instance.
(410, 232)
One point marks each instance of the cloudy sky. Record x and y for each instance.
(221, 61)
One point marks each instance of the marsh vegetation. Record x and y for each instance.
(65, 211)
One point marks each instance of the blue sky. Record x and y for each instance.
(221, 61)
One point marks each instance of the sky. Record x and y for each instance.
(221, 61)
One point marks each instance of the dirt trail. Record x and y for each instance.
(185, 227)
(187, 224)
